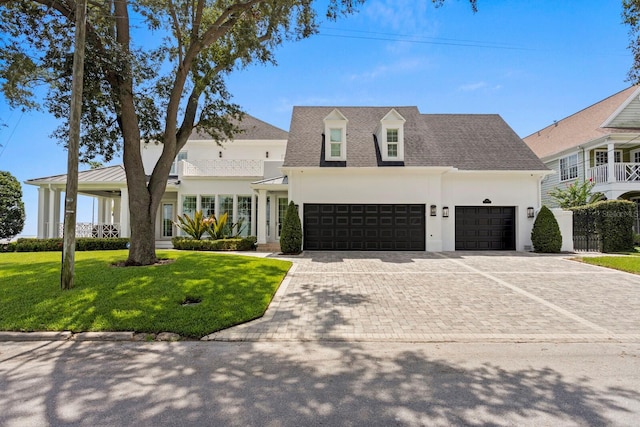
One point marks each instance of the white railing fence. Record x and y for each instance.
(88, 229)
(623, 172)
(599, 174)
(222, 167)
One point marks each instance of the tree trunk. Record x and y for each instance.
(142, 250)
(143, 198)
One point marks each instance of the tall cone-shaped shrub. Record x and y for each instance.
(545, 235)
(291, 233)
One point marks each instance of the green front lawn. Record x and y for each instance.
(630, 264)
(232, 289)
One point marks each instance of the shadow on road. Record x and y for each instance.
(196, 383)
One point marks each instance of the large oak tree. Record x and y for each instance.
(154, 70)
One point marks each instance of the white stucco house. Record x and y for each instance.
(600, 143)
(364, 178)
(205, 176)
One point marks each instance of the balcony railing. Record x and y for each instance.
(623, 172)
(222, 167)
(88, 229)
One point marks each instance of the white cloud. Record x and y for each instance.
(407, 65)
(407, 16)
(472, 87)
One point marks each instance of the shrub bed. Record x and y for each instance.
(82, 244)
(234, 244)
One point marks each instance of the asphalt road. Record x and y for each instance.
(318, 383)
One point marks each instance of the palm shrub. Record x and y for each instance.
(545, 235)
(194, 227)
(291, 233)
(217, 227)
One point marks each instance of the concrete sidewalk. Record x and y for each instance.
(440, 297)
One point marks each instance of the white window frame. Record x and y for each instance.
(339, 143)
(391, 121)
(617, 156)
(568, 172)
(633, 154)
(333, 122)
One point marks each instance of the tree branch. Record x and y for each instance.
(176, 29)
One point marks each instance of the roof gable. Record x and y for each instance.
(335, 115)
(584, 126)
(627, 115)
(393, 116)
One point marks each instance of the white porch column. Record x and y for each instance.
(611, 171)
(54, 201)
(235, 209)
(124, 213)
(116, 211)
(252, 232)
(43, 211)
(262, 216)
(101, 210)
(586, 164)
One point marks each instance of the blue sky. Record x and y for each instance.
(532, 62)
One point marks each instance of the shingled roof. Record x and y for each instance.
(579, 128)
(463, 141)
(250, 129)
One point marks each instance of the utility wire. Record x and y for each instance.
(4, 146)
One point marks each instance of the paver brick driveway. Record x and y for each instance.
(454, 296)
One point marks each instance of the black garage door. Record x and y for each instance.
(485, 228)
(364, 227)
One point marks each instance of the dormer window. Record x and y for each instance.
(390, 136)
(335, 136)
(392, 143)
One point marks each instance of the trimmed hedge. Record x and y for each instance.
(8, 247)
(291, 233)
(613, 223)
(545, 235)
(234, 244)
(82, 244)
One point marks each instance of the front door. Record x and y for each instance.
(167, 220)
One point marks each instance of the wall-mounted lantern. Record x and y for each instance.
(530, 212)
(220, 154)
(433, 211)
(267, 155)
(445, 211)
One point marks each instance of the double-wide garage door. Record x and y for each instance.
(485, 228)
(364, 227)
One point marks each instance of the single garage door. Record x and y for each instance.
(364, 227)
(485, 228)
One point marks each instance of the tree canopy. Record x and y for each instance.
(11, 206)
(154, 71)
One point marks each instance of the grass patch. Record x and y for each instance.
(630, 264)
(231, 289)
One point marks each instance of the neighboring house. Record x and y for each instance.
(391, 178)
(600, 143)
(364, 178)
(205, 176)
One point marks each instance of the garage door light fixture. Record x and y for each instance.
(433, 210)
(445, 211)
